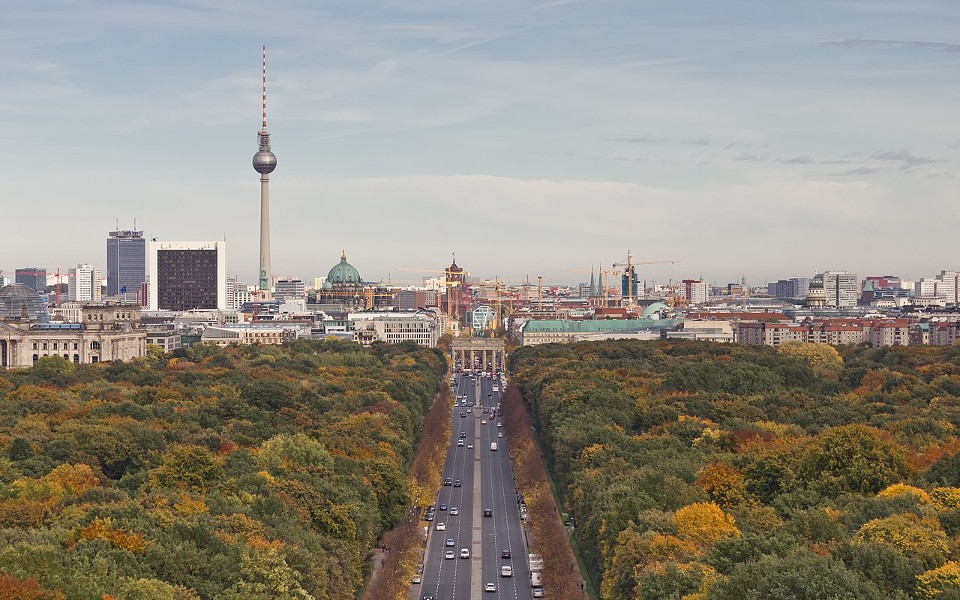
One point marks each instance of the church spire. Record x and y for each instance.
(593, 282)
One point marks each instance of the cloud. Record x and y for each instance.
(860, 43)
(660, 139)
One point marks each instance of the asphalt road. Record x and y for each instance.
(486, 478)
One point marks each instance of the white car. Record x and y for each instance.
(441, 526)
(465, 553)
(499, 434)
(490, 587)
(469, 446)
(454, 511)
(450, 555)
(483, 421)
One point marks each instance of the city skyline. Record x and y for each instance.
(534, 138)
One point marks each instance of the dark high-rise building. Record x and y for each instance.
(187, 275)
(126, 263)
(34, 278)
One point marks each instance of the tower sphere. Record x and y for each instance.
(264, 161)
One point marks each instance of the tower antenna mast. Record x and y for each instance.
(264, 162)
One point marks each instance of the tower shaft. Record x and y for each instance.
(266, 273)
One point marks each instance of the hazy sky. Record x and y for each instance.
(771, 138)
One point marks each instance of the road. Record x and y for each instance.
(486, 479)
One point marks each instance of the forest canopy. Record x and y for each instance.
(707, 471)
(254, 472)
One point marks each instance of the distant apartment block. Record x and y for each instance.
(83, 284)
(187, 276)
(842, 289)
(289, 289)
(34, 278)
(876, 332)
(946, 285)
(694, 291)
(795, 287)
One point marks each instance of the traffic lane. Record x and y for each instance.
(458, 579)
(440, 576)
(517, 586)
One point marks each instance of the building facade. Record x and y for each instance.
(34, 278)
(421, 327)
(106, 332)
(187, 276)
(841, 289)
(126, 263)
(289, 289)
(84, 284)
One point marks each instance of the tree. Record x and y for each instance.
(908, 533)
(935, 582)
(851, 458)
(723, 483)
(703, 523)
(801, 575)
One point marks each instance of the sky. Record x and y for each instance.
(757, 138)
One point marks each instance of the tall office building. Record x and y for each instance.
(289, 289)
(34, 278)
(84, 284)
(841, 289)
(187, 275)
(695, 291)
(126, 263)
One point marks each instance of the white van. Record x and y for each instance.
(493, 446)
(506, 571)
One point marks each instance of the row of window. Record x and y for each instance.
(64, 345)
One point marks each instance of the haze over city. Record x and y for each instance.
(765, 139)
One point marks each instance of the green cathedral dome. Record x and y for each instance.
(343, 273)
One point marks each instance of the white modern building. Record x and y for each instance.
(419, 326)
(84, 283)
(842, 289)
(187, 275)
(269, 333)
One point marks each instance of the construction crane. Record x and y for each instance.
(630, 272)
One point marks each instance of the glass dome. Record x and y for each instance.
(15, 298)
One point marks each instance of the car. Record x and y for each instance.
(483, 421)
(457, 483)
(450, 555)
(538, 592)
(460, 443)
(450, 542)
(463, 434)
(490, 587)
(470, 410)
(488, 512)
(441, 526)
(506, 554)
(464, 552)
(499, 424)
(506, 571)
(499, 434)
(469, 446)
(428, 597)
(428, 517)
(454, 511)
(462, 414)
(443, 506)
(416, 579)
(447, 481)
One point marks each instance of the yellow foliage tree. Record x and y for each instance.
(936, 581)
(723, 483)
(703, 523)
(945, 498)
(823, 359)
(909, 534)
(902, 489)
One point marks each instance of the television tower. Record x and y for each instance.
(264, 162)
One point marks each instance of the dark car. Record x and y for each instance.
(488, 512)
(456, 483)
(506, 554)
(463, 434)
(443, 506)
(463, 414)
(447, 481)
